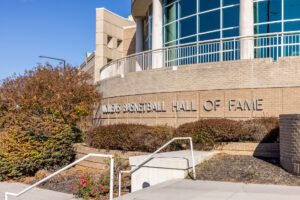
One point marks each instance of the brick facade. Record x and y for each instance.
(290, 142)
(277, 84)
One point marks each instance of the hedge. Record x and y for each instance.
(205, 133)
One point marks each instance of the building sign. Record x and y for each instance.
(184, 106)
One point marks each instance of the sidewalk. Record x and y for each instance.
(34, 194)
(210, 190)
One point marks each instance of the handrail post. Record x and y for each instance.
(111, 191)
(193, 158)
(120, 183)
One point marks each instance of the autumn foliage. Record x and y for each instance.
(38, 115)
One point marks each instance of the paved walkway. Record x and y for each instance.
(34, 194)
(210, 190)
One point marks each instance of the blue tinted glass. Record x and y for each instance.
(171, 44)
(170, 13)
(267, 28)
(188, 40)
(209, 21)
(291, 9)
(170, 32)
(208, 4)
(187, 7)
(292, 26)
(209, 36)
(267, 11)
(231, 33)
(188, 26)
(231, 16)
(230, 2)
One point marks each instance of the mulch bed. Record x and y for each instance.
(247, 169)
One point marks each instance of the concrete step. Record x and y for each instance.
(211, 190)
(34, 194)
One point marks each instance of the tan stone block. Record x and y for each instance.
(271, 104)
(191, 102)
(237, 96)
(148, 98)
(291, 99)
(212, 104)
(167, 98)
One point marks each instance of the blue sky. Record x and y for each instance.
(57, 28)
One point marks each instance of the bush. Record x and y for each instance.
(31, 143)
(39, 113)
(129, 137)
(205, 133)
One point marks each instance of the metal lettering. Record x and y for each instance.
(259, 104)
(239, 106)
(231, 101)
(211, 105)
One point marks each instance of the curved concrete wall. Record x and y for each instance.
(235, 90)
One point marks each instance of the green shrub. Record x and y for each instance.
(32, 142)
(129, 137)
(206, 134)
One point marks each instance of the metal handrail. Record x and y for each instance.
(151, 156)
(67, 167)
(195, 43)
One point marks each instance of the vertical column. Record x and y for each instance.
(246, 29)
(157, 34)
(139, 43)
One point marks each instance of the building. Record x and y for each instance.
(195, 59)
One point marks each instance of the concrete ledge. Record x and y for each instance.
(173, 160)
(164, 167)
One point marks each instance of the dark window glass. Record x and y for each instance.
(267, 28)
(230, 2)
(231, 33)
(231, 16)
(292, 26)
(188, 26)
(187, 7)
(267, 11)
(291, 9)
(209, 36)
(170, 32)
(188, 40)
(169, 1)
(208, 4)
(170, 13)
(209, 21)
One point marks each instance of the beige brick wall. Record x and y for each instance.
(110, 25)
(290, 142)
(276, 83)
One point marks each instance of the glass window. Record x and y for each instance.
(170, 32)
(291, 9)
(231, 16)
(187, 7)
(230, 2)
(292, 26)
(267, 11)
(231, 33)
(208, 4)
(209, 21)
(267, 28)
(209, 36)
(188, 40)
(188, 26)
(171, 13)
